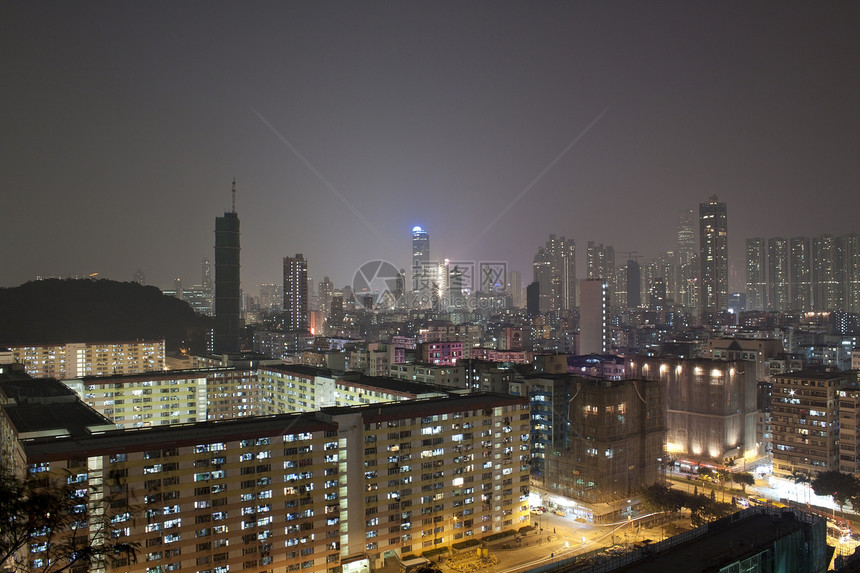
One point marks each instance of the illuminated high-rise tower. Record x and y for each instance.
(826, 274)
(227, 303)
(420, 259)
(600, 264)
(777, 274)
(296, 318)
(688, 268)
(555, 269)
(713, 260)
(801, 274)
(851, 276)
(756, 274)
(686, 237)
(326, 289)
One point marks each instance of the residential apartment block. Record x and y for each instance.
(273, 493)
(805, 418)
(74, 360)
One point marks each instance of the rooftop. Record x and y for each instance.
(729, 540)
(89, 442)
(815, 374)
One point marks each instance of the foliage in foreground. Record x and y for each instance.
(659, 497)
(60, 520)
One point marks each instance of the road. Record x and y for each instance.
(561, 537)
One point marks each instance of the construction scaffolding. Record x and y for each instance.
(608, 438)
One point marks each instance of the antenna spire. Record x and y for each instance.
(234, 195)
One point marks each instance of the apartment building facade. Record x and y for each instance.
(74, 360)
(273, 493)
(805, 417)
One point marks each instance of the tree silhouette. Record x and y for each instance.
(67, 527)
(841, 487)
(743, 479)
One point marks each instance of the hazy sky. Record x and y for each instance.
(491, 124)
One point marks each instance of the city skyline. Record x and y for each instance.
(346, 126)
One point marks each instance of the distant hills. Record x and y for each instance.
(61, 311)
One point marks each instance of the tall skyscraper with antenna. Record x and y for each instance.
(227, 296)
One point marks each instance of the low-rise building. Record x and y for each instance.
(448, 376)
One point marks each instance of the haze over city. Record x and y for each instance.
(490, 124)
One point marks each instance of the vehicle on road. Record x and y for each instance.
(560, 512)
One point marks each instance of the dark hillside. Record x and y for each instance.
(60, 311)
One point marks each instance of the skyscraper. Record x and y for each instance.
(686, 237)
(713, 260)
(756, 274)
(594, 317)
(533, 299)
(326, 288)
(664, 269)
(296, 317)
(634, 284)
(801, 274)
(555, 269)
(687, 261)
(826, 283)
(851, 287)
(420, 258)
(227, 293)
(777, 274)
(206, 275)
(600, 264)
(515, 288)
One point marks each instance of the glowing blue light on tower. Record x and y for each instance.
(417, 229)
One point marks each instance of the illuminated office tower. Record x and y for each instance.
(756, 274)
(801, 274)
(777, 274)
(713, 259)
(227, 304)
(296, 294)
(420, 257)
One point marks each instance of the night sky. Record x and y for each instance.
(490, 124)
